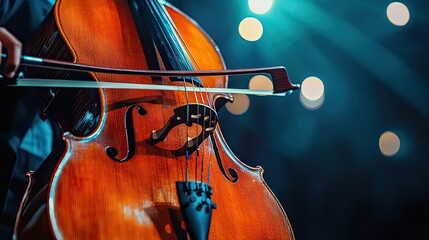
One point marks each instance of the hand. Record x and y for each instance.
(14, 47)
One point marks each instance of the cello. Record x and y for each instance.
(144, 164)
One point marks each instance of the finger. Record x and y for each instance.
(14, 48)
(1, 50)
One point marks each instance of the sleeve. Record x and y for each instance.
(23, 17)
(8, 8)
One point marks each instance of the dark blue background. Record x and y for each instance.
(325, 166)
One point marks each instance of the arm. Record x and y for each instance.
(8, 9)
(13, 47)
(19, 19)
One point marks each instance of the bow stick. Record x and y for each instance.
(281, 83)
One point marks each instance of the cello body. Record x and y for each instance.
(111, 181)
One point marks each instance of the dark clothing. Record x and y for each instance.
(20, 123)
(23, 17)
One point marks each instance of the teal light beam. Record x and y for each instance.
(386, 66)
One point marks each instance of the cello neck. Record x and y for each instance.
(164, 34)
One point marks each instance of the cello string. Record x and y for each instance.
(171, 44)
(190, 55)
(209, 100)
(154, 8)
(160, 22)
(180, 45)
(162, 11)
(187, 55)
(183, 47)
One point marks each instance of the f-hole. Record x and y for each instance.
(233, 173)
(129, 130)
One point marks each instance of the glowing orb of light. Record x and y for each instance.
(240, 104)
(260, 82)
(312, 105)
(312, 88)
(250, 29)
(260, 6)
(389, 143)
(398, 13)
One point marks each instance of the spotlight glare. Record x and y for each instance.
(250, 29)
(312, 105)
(398, 13)
(260, 82)
(260, 6)
(389, 143)
(240, 104)
(312, 88)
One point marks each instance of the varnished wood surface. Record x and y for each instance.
(92, 196)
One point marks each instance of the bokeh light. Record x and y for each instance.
(260, 6)
(389, 143)
(312, 88)
(311, 105)
(240, 104)
(260, 82)
(398, 13)
(250, 29)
